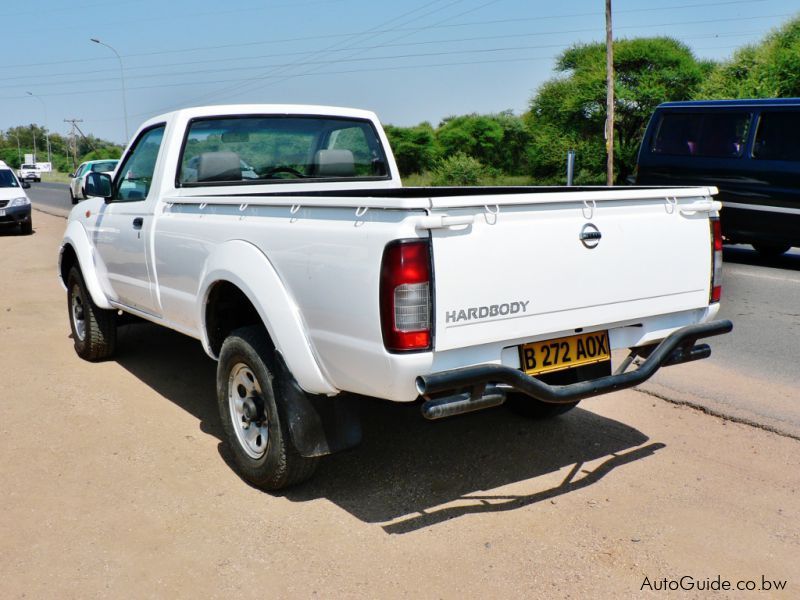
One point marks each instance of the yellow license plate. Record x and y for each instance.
(547, 356)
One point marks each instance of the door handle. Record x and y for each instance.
(138, 222)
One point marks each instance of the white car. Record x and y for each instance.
(15, 206)
(29, 172)
(78, 178)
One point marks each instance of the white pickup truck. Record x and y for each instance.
(281, 238)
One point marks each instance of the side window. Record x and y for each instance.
(710, 135)
(776, 136)
(136, 173)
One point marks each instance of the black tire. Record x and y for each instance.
(771, 250)
(94, 330)
(536, 409)
(246, 372)
(26, 228)
(72, 197)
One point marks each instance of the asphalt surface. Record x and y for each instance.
(52, 198)
(752, 375)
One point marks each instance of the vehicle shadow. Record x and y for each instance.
(409, 473)
(13, 231)
(746, 255)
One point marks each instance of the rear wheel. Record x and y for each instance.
(771, 250)
(94, 330)
(249, 411)
(72, 197)
(536, 409)
(525, 406)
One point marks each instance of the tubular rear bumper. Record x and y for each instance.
(679, 347)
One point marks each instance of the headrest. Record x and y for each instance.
(219, 166)
(334, 163)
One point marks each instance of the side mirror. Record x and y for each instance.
(98, 184)
(25, 185)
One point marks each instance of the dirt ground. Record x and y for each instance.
(114, 483)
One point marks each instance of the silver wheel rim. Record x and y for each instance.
(244, 392)
(78, 314)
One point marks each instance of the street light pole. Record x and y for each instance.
(46, 129)
(122, 77)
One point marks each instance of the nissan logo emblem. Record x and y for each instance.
(590, 236)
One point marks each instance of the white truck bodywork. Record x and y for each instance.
(305, 258)
(311, 264)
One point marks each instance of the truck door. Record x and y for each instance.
(125, 223)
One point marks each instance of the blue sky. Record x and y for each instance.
(413, 61)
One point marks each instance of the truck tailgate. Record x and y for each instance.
(526, 270)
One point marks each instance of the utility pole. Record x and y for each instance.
(74, 138)
(609, 97)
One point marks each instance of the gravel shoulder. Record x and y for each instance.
(114, 483)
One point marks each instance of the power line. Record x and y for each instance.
(393, 30)
(373, 47)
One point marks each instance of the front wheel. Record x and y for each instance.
(248, 408)
(94, 330)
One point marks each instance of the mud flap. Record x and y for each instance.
(318, 425)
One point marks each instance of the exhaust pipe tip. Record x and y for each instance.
(419, 382)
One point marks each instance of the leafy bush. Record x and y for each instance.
(413, 147)
(458, 169)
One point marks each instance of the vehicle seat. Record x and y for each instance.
(334, 163)
(219, 166)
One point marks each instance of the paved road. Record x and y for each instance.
(52, 198)
(114, 484)
(753, 374)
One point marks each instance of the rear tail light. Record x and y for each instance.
(716, 260)
(405, 296)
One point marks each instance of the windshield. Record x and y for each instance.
(276, 148)
(7, 179)
(104, 167)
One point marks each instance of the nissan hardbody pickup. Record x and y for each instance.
(282, 239)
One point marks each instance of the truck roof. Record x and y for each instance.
(262, 109)
(755, 102)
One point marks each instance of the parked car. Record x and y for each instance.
(323, 277)
(15, 206)
(749, 149)
(29, 172)
(78, 178)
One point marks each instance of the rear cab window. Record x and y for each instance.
(275, 149)
(712, 135)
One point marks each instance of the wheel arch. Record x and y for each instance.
(77, 251)
(241, 287)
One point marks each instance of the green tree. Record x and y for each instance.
(770, 69)
(478, 136)
(569, 111)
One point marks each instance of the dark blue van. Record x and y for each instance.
(749, 149)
